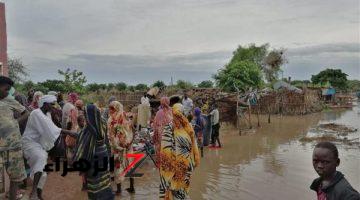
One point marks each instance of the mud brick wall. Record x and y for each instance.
(128, 99)
(289, 103)
(3, 41)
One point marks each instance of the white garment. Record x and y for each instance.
(42, 181)
(36, 158)
(38, 138)
(187, 106)
(46, 99)
(214, 116)
(66, 114)
(144, 114)
(145, 101)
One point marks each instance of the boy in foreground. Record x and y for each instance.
(331, 185)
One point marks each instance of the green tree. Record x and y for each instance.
(272, 63)
(74, 80)
(28, 85)
(335, 77)
(131, 88)
(141, 87)
(206, 84)
(247, 66)
(184, 84)
(102, 86)
(354, 85)
(110, 86)
(121, 86)
(54, 85)
(159, 84)
(300, 83)
(252, 53)
(93, 87)
(242, 74)
(17, 70)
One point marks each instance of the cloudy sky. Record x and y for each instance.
(146, 40)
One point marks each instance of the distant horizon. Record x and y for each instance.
(167, 83)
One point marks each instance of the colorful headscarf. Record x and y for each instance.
(163, 117)
(73, 97)
(21, 99)
(79, 103)
(11, 93)
(36, 98)
(198, 121)
(111, 99)
(94, 131)
(197, 112)
(115, 110)
(165, 102)
(178, 107)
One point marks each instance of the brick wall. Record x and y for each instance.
(3, 41)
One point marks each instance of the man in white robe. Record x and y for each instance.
(39, 137)
(144, 112)
(187, 105)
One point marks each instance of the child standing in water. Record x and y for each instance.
(331, 185)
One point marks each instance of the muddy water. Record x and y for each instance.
(269, 163)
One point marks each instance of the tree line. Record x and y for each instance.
(75, 81)
(251, 66)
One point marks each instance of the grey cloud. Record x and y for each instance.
(309, 60)
(139, 41)
(349, 48)
(135, 68)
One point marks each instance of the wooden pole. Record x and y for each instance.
(258, 113)
(250, 125)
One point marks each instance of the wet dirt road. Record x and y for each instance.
(266, 163)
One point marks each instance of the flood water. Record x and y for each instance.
(267, 163)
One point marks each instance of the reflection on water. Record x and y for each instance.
(332, 116)
(268, 164)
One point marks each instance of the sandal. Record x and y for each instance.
(19, 195)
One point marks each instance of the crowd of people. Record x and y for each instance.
(44, 127)
(39, 128)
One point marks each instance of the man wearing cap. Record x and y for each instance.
(10, 137)
(39, 137)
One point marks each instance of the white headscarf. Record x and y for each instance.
(46, 99)
(52, 93)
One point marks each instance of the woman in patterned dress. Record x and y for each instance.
(91, 146)
(179, 155)
(120, 138)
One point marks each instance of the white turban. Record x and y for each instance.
(52, 93)
(46, 99)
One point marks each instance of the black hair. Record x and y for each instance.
(215, 105)
(6, 80)
(330, 146)
(174, 100)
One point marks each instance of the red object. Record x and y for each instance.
(321, 195)
(137, 157)
(3, 42)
